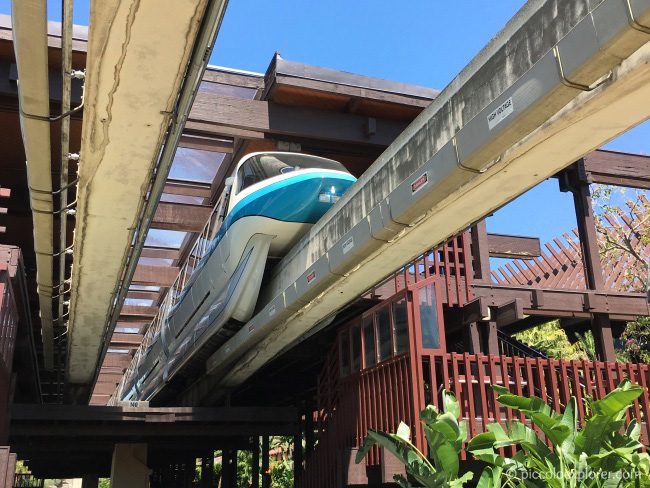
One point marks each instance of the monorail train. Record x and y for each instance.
(275, 197)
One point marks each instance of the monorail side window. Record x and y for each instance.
(429, 317)
(355, 339)
(400, 321)
(370, 355)
(384, 333)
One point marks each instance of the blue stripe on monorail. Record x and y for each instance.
(294, 199)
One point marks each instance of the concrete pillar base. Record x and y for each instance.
(129, 468)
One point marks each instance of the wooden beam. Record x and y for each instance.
(618, 168)
(122, 339)
(155, 275)
(143, 294)
(235, 79)
(135, 310)
(160, 252)
(508, 246)
(206, 143)
(181, 216)
(105, 388)
(178, 187)
(133, 323)
(508, 313)
(273, 119)
(559, 303)
(116, 360)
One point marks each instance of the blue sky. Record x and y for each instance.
(427, 43)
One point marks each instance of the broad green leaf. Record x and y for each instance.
(551, 427)
(401, 481)
(429, 414)
(618, 400)
(403, 431)
(633, 430)
(451, 404)
(457, 483)
(448, 459)
(533, 404)
(570, 420)
(490, 477)
(447, 425)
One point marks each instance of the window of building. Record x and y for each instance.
(370, 354)
(384, 332)
(400, 321)
(429, 317)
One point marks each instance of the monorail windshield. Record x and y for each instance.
(263, 166)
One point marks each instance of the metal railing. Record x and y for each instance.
(203, 245)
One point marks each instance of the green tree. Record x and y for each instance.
(551, 339)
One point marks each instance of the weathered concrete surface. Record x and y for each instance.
(30, 45)
(557, 129)
(138, 51)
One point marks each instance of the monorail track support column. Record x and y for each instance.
(129, 467)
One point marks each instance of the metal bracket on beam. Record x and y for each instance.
(635, 23)
(467, 168)
(572, 84)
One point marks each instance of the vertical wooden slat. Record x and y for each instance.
(469, 383)
(467, 264)
(555, 393)
(445, 257)
(518, 363)
(577, 389)
(459, 297)
(644, 377)
(621, 375)
(481, 359)
(633, 371)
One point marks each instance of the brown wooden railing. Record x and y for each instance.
(469, 376)
(377, 398)
(451, 261)
(380, 397)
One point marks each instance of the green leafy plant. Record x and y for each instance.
(445, 436)
(604, 453)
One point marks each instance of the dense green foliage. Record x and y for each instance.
(281, 470)
(445, 436)
(550, 339)
(604, 453)
(635, 341)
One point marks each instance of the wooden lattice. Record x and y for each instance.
(561, 266)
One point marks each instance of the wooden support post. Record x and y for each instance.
(225, 481)
(297, 459)
(256, 462)
(574, 180)
(266, 475)
(207, 471)
(472, 338)
(310, 440)
(490, 342)
(90, 481)
(604, 341)
(480, 252)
